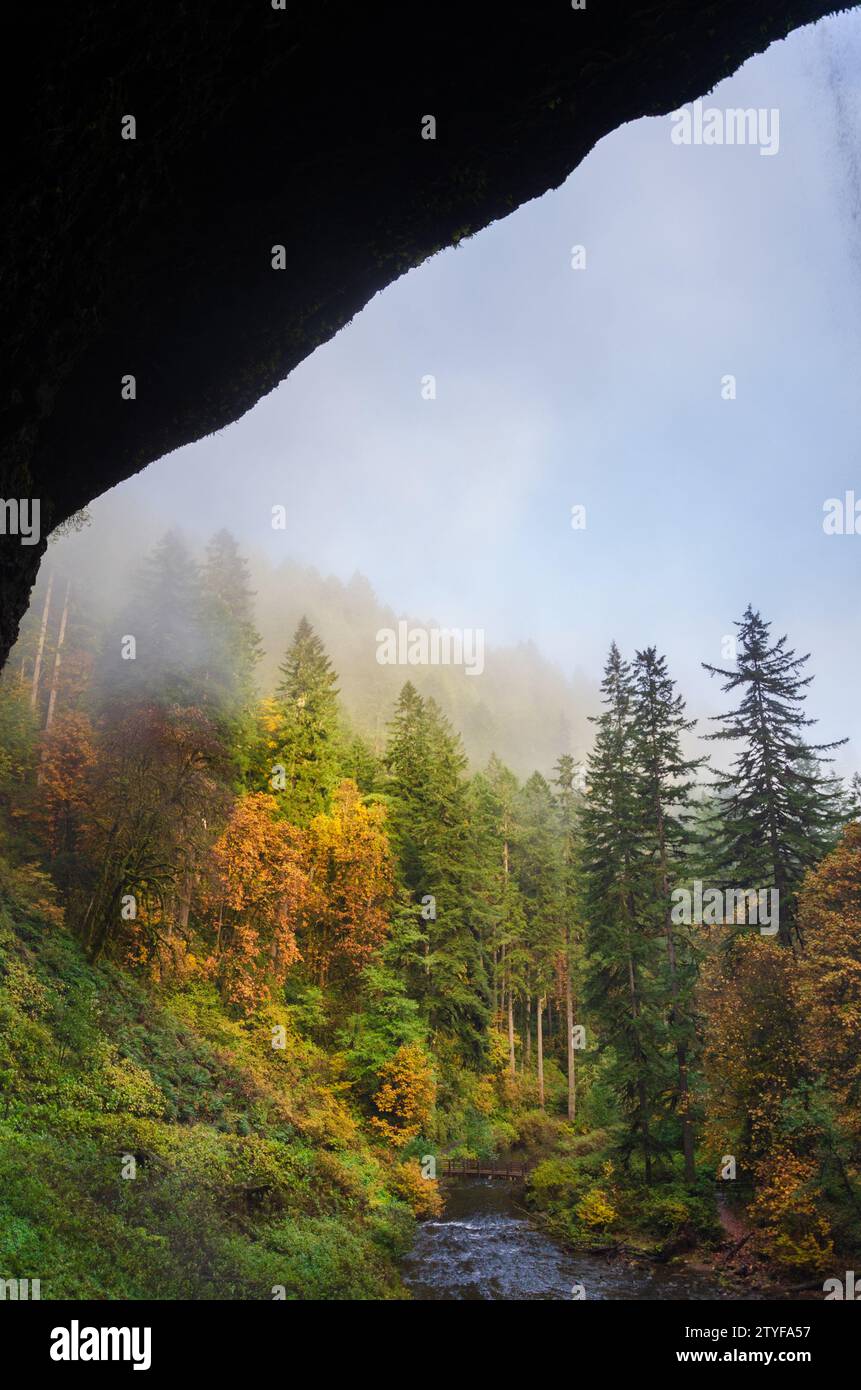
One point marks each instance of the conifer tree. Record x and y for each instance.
(618, 903)
(778, 811)
(306, 733)
(427, 798)
(665, 783)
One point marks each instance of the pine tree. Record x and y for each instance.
(618, 902)
(778, 813)
(305, 737)
(665, 783)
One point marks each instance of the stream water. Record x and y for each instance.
(485, 1247)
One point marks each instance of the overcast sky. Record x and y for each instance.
(601, 387)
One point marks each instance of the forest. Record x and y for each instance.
(267, 964)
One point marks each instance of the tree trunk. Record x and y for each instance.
(184, 900)
(506, 971)
(55, 675)
(540, 1046)
(37, 665)
(681, 1046)
(569, 1026)
(642, 1097)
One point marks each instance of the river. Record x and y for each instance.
(484, 1247)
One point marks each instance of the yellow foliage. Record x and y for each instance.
(423, 1194)
(791, 1231)
(596, 1210)
(406, 1096)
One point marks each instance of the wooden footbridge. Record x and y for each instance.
(482, 1168)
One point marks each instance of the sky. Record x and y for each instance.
(599, 387)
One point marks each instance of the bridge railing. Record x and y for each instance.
(481, 1168)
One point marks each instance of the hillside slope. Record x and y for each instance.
(251, 1171)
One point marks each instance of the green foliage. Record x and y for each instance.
(306, 731)
(777, 812)
(238, 1188)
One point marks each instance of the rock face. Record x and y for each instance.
(258, 127)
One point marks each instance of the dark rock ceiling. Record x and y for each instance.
(258, 127)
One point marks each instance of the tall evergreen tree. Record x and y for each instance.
(428, 815)
(665, 784)
(778, 811)
(618, 903)
(306, 733)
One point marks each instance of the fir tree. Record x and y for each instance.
(306, 702)
(618, 903)
(428, 814)
(665, 783)
(778, 812)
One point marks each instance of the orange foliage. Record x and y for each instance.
(352, 878)
(68, 755)
(791, 1230)
(261, 893)
(829, 973)
(751, 1052)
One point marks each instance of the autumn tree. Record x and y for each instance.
(257, 901)
(149, 795)
(351, 874)
(67, 759)
(828, 993)
(762, 1108)
(405, 1099)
